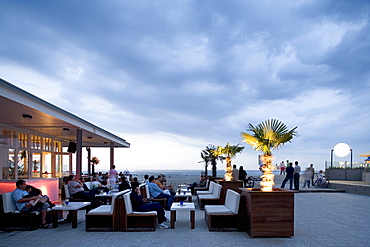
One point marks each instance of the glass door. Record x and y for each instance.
(46, 168)
(62, 164)
(36, 165)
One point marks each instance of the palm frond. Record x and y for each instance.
(268, 135)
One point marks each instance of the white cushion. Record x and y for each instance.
(217, 209)
(114, 196)
(217, 190)
(88, 184)
(8, 204)
(108, 209)
(207, 196)
(209, 191)
(232, 201)
(103, 209)
(148, 212)
(128, 205)
(203, 192)
(66, 191)
(147, 192)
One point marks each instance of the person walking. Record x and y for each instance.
(297, 175)
(312, 173)
(289, 176)
(113, 176)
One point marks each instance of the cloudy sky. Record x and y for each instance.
(171, 77)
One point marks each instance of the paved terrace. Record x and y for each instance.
(321, 219)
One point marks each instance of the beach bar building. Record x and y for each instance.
(41, 143)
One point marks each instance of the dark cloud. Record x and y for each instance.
(200, 69)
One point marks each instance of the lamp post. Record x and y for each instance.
(340, 150)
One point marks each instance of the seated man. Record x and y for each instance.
(138, 204)
(156, 192)
(76, 189)
(18, 197)
(168, 189)
(202, 183)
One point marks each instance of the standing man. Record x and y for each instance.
(235, 173)
(289, 176)
(297, 174)
(21, 202)
(312, 173)
(282, 168)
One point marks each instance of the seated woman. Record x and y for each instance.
(95, 184)
(32, 192)
(138, 204)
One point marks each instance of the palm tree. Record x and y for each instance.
(206, 160)
(230, 152)
(268, 136)
(211, 157)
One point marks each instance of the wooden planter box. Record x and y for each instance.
(268, 214)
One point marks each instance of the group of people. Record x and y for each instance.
(29, 199)
(293, 175)
(240, 174)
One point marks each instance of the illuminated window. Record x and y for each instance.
(22, 140)
(35, 142)
(8, 171)
(23, 164)
(48, 144)
(57, 146)
(36, 165)
(8, 137)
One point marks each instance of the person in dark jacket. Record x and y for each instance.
(289, 176)
(139, 204)
(243, 175)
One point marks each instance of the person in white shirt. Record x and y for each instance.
(297, 175)
(235, 173)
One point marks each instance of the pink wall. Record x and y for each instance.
(49, 187)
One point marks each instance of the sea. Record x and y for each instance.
(184, 173)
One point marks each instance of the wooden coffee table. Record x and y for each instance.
(72, 209)
(184, 195)
(187, 206)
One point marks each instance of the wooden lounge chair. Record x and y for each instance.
(208, 191)
(144, 190)
(201, 188)
(107, 217)
(13, 220)
(224, 217)
(133, 221)
(69, 197)
(210, 199)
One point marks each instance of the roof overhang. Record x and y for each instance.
(49, 120)
(366, 154)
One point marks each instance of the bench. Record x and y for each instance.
(69, 197)
(106, 217)
(13, 220)
(137, 221)
(144, 190)
(209, 191)
(224, 217)
(210, 199)
(201, 188)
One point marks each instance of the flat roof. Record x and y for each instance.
(49, 120)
